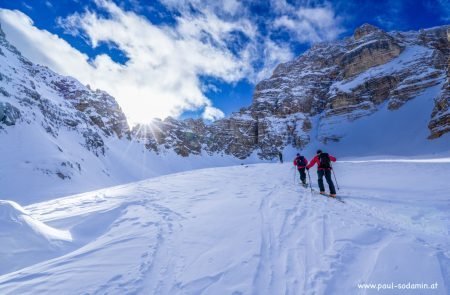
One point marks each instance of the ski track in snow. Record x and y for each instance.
(248, 230)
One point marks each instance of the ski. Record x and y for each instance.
(337, 198)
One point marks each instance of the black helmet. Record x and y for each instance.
(319, 151)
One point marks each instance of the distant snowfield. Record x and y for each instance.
(385, 133)
(239, 230)
(438, 160)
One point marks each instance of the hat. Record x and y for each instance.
(319, 151)
(298, 154)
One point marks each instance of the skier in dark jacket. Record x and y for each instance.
(280, 156)
(323, 161)
(301, 162)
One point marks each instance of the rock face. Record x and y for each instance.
(332, 82)
(184, 137)
(101, 108)
(342, 80)
(39, 107)
(8, 114)
(440, 117)
(80, 105)
(364, 30)
(370, 47)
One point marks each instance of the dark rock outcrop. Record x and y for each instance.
(8, 114)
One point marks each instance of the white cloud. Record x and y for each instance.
(41, 46)
(218, 7)
(282, 6)
(161, 77)
(310, 25)
(27, 6)
(274, 54)
(232, 6)
(162, 74)
(212, 113)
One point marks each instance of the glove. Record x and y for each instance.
(307, 168)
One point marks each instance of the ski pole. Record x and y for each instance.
(295, 175)
(337, 185)
(309, 176)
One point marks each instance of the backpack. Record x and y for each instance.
(301, 161)
(324, 161)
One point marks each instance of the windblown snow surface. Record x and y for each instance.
(241, 230)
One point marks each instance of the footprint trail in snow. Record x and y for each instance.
(253, 230)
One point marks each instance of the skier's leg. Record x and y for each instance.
(302, 175)
(330, 182)
(320, 174)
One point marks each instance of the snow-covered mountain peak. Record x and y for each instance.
(53, 128)
(365, 30)
(338, 95)
(61, 135)
(337, 83)
(315, 100)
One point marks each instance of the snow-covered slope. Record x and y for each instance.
(59, 137)
(402, 132)
(250, 230)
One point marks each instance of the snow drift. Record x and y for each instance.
(25, 240)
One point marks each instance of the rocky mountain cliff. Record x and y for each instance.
(54, 125)
(59, 137)
(32, 93)
(55, 130)
(330, 83)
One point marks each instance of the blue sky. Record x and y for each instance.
(191, 58)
